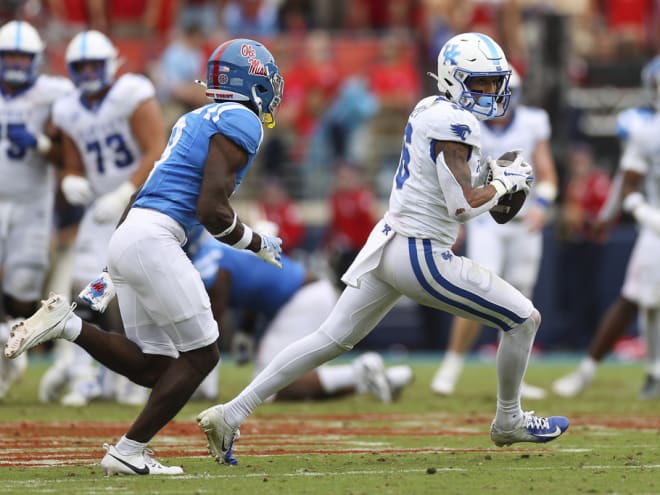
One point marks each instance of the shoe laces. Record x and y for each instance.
(536, 422)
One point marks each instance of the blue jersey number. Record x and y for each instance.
(402, 172)
(15, 150)
(123, 156)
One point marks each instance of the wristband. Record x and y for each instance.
(229, 229)
(44, 144)
(245, 239)
(499, 186)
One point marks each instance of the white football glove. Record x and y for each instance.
(271, 250)
(77, 190)
(99, 292)
(516, 176)
(110, 206)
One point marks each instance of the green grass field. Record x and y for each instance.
(421, 444)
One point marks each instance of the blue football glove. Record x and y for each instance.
(19, 135)
(271, 250)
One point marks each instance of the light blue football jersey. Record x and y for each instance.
(174, 183)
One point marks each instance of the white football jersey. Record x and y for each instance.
(26, 172)
(103, 133)
(529, 126)
(417, 206)
(639, 128)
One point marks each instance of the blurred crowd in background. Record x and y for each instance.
(353, 70)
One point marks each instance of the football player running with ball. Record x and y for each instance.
(435, 189)
(512, 251)
(171, 337)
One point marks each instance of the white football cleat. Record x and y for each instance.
(46, 324)
(220, 435)
(115, 463)
(372, 377)
(572, 384)
(528, 391)
(444, 381)
(399, 377)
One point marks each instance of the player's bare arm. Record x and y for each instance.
(149, 132)
(456, 157)
(225, 159)
(71, 159)
(632, 182)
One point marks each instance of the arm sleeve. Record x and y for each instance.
(457, 205)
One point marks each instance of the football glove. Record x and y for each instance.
(77, 190)
(20, 136)
(99, 292)
(271, 250)
(515, 176)
(110, 206)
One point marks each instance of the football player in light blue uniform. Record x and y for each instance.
(171, 337)
(294, 302)
(440, 183)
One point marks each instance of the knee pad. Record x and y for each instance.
(530, 325)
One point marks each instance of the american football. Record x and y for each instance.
(508, 205)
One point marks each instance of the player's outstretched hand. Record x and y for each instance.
(99, 292)
(271, 250)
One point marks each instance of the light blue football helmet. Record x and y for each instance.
(244, 70)
(651, 81)
(470, 55)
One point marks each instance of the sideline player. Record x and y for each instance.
(512, 250)
(113, 133)
(171, 337)
(294, 302)
(435, 189)
(638, 129)
(27, 144)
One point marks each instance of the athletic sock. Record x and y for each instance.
(126, 446)
(291, 363)
(588, 367)
(72, 327)
(334, 378)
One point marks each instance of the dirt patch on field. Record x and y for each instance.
(26, 443)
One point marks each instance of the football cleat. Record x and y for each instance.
(531, 429)
(115, 463)
(372, 376)
(220, 435)
(651, 388)
(532, 392)
(399, 377)
(46, 324)
(572, 384)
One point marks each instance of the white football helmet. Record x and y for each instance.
(21, 37)
(91, 46)
(470, 55)
(651, 81)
